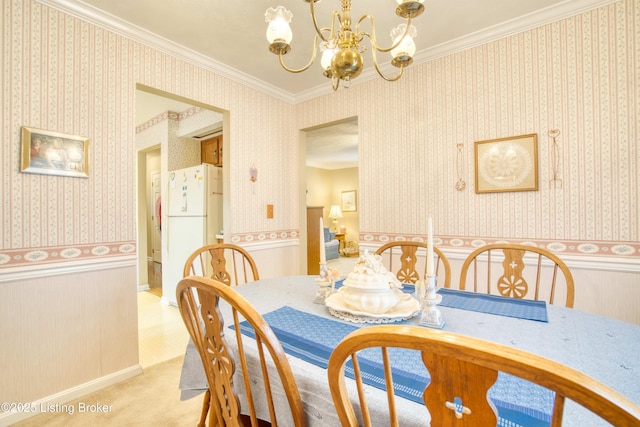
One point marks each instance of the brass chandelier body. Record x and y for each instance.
(342, 47)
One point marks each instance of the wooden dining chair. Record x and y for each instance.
(198, 300)
(462, 369)
(411, 267)
(512, 278)
(226, 262)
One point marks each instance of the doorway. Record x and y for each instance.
(161, 333)
(158, 132)
(332, 176)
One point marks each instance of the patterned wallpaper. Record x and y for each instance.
(60, 73)
(578, 75)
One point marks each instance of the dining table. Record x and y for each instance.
(604, 348)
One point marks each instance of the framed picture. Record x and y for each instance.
(54, 153)
(507, 164)
(349, 201)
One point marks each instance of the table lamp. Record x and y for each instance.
(334, 214)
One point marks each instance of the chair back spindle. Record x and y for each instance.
(526, 272)
(225, 262)
(407, 260)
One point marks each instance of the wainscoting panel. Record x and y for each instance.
(66, 330)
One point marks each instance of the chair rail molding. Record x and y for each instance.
(583, 262)
(47, 270)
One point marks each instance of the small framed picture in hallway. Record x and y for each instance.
(349, 201)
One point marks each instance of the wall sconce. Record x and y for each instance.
(253, 177)
(334, 214)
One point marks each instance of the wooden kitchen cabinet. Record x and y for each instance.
(211, 150)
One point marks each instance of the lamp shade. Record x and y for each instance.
(278, 28)
(335, 212)
(407, 46)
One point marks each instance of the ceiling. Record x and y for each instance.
(334, 146)
(229, 37)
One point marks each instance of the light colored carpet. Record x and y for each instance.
(149, 399)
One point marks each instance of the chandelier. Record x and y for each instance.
(341, 46)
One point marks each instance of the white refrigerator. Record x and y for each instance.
(194, 219)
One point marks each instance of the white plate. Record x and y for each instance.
(405, 309)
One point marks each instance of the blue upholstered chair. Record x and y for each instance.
(331, 246)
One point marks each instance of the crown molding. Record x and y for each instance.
(104, 20)
(536, 19)
(107, 21)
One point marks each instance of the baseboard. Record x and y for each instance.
(164, 300)
(71, 394)
(142, 288)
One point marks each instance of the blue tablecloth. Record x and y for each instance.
(484, 303)
(494, 304)
(312, 338)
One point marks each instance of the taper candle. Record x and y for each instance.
(430, 271)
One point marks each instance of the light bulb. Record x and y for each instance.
(328, 50)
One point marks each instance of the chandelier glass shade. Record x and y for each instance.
(341, 47)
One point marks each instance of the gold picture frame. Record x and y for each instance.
(349, 201)
(54, 153)
(507, 164)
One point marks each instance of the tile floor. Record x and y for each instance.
(161, 332)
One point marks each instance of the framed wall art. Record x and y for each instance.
(507, 164)
(349, 202)
(53, 153)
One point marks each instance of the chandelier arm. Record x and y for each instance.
(320, 30)
(342, 45)
(381, 74)
(372, 36)
(306, 67)
(335, 83)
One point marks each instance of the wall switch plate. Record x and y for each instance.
(270, 211)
